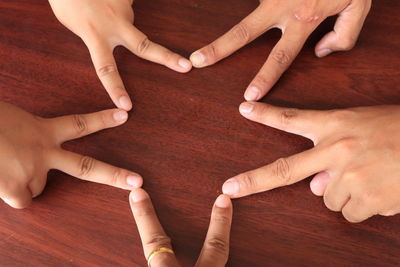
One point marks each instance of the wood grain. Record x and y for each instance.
(186, 137)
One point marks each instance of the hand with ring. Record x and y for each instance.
(297, 19)
(157, 245)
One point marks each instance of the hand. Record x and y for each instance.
(215, 251)
(297, 19)
(356, 158)
(30, 146)
(105, 24)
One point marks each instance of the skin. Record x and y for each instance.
(215, 251)
(104, 25)
(356, 158)
(297, 19)
(30, 146)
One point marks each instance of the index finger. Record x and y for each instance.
(255, 24)
(107, 71)
(150, 230)
(284, 171)
(75, 126)
(90, 169)
(215, 251)
(139, 44)
(279, 60)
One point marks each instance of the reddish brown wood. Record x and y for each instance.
(186, 137)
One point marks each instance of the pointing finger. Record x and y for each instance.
(89, 169)
(107, 71)
(278, 61)
(306, 123)
(140, 45)
(75, 126)
(282, 172)
(151, 232)
(215, 251)
(258, 22)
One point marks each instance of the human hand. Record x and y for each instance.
(30, 146)
(105, 24)
(356, 158)
(297, 19)
(215, 251)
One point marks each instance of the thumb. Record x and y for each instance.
(319, 183)
(347, 29)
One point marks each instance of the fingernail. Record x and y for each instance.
(246, 108)
(324, 52)
(138, 195)
(125, 102)
(120, 115)
(223, 201)
(197, 59)
(134, 181)
(184, 63)
(230, 187)
(252, 94)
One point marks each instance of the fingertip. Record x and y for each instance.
(134, 180)
(185, 65)
(120, 115)
(125, 103)
(138, 195)
(246, 108)
(223, 201)
(252, 93)
(231, 187)
(323, 52)
(198, 59)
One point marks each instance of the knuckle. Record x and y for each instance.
(241, 33)
(248, 181)
(262, 81)
(281, 57)
(157, 241)
(347, 43)
(330, 203)
(10, 185)
(104, 120)
(143, 46)
(347, 146)
(80, 124)
(117, 175)
(211, 53)
(86, 165)
(368, 198)
(288, 115)
(218, 245)
(221, 219)
(350, 176)
(341, 116)
(350, 217)
(281, 169)
(144, 211)
(106, 70)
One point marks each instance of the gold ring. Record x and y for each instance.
(158, 251)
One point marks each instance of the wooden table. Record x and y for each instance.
(186, 137)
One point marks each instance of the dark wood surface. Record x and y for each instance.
(186, 137)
